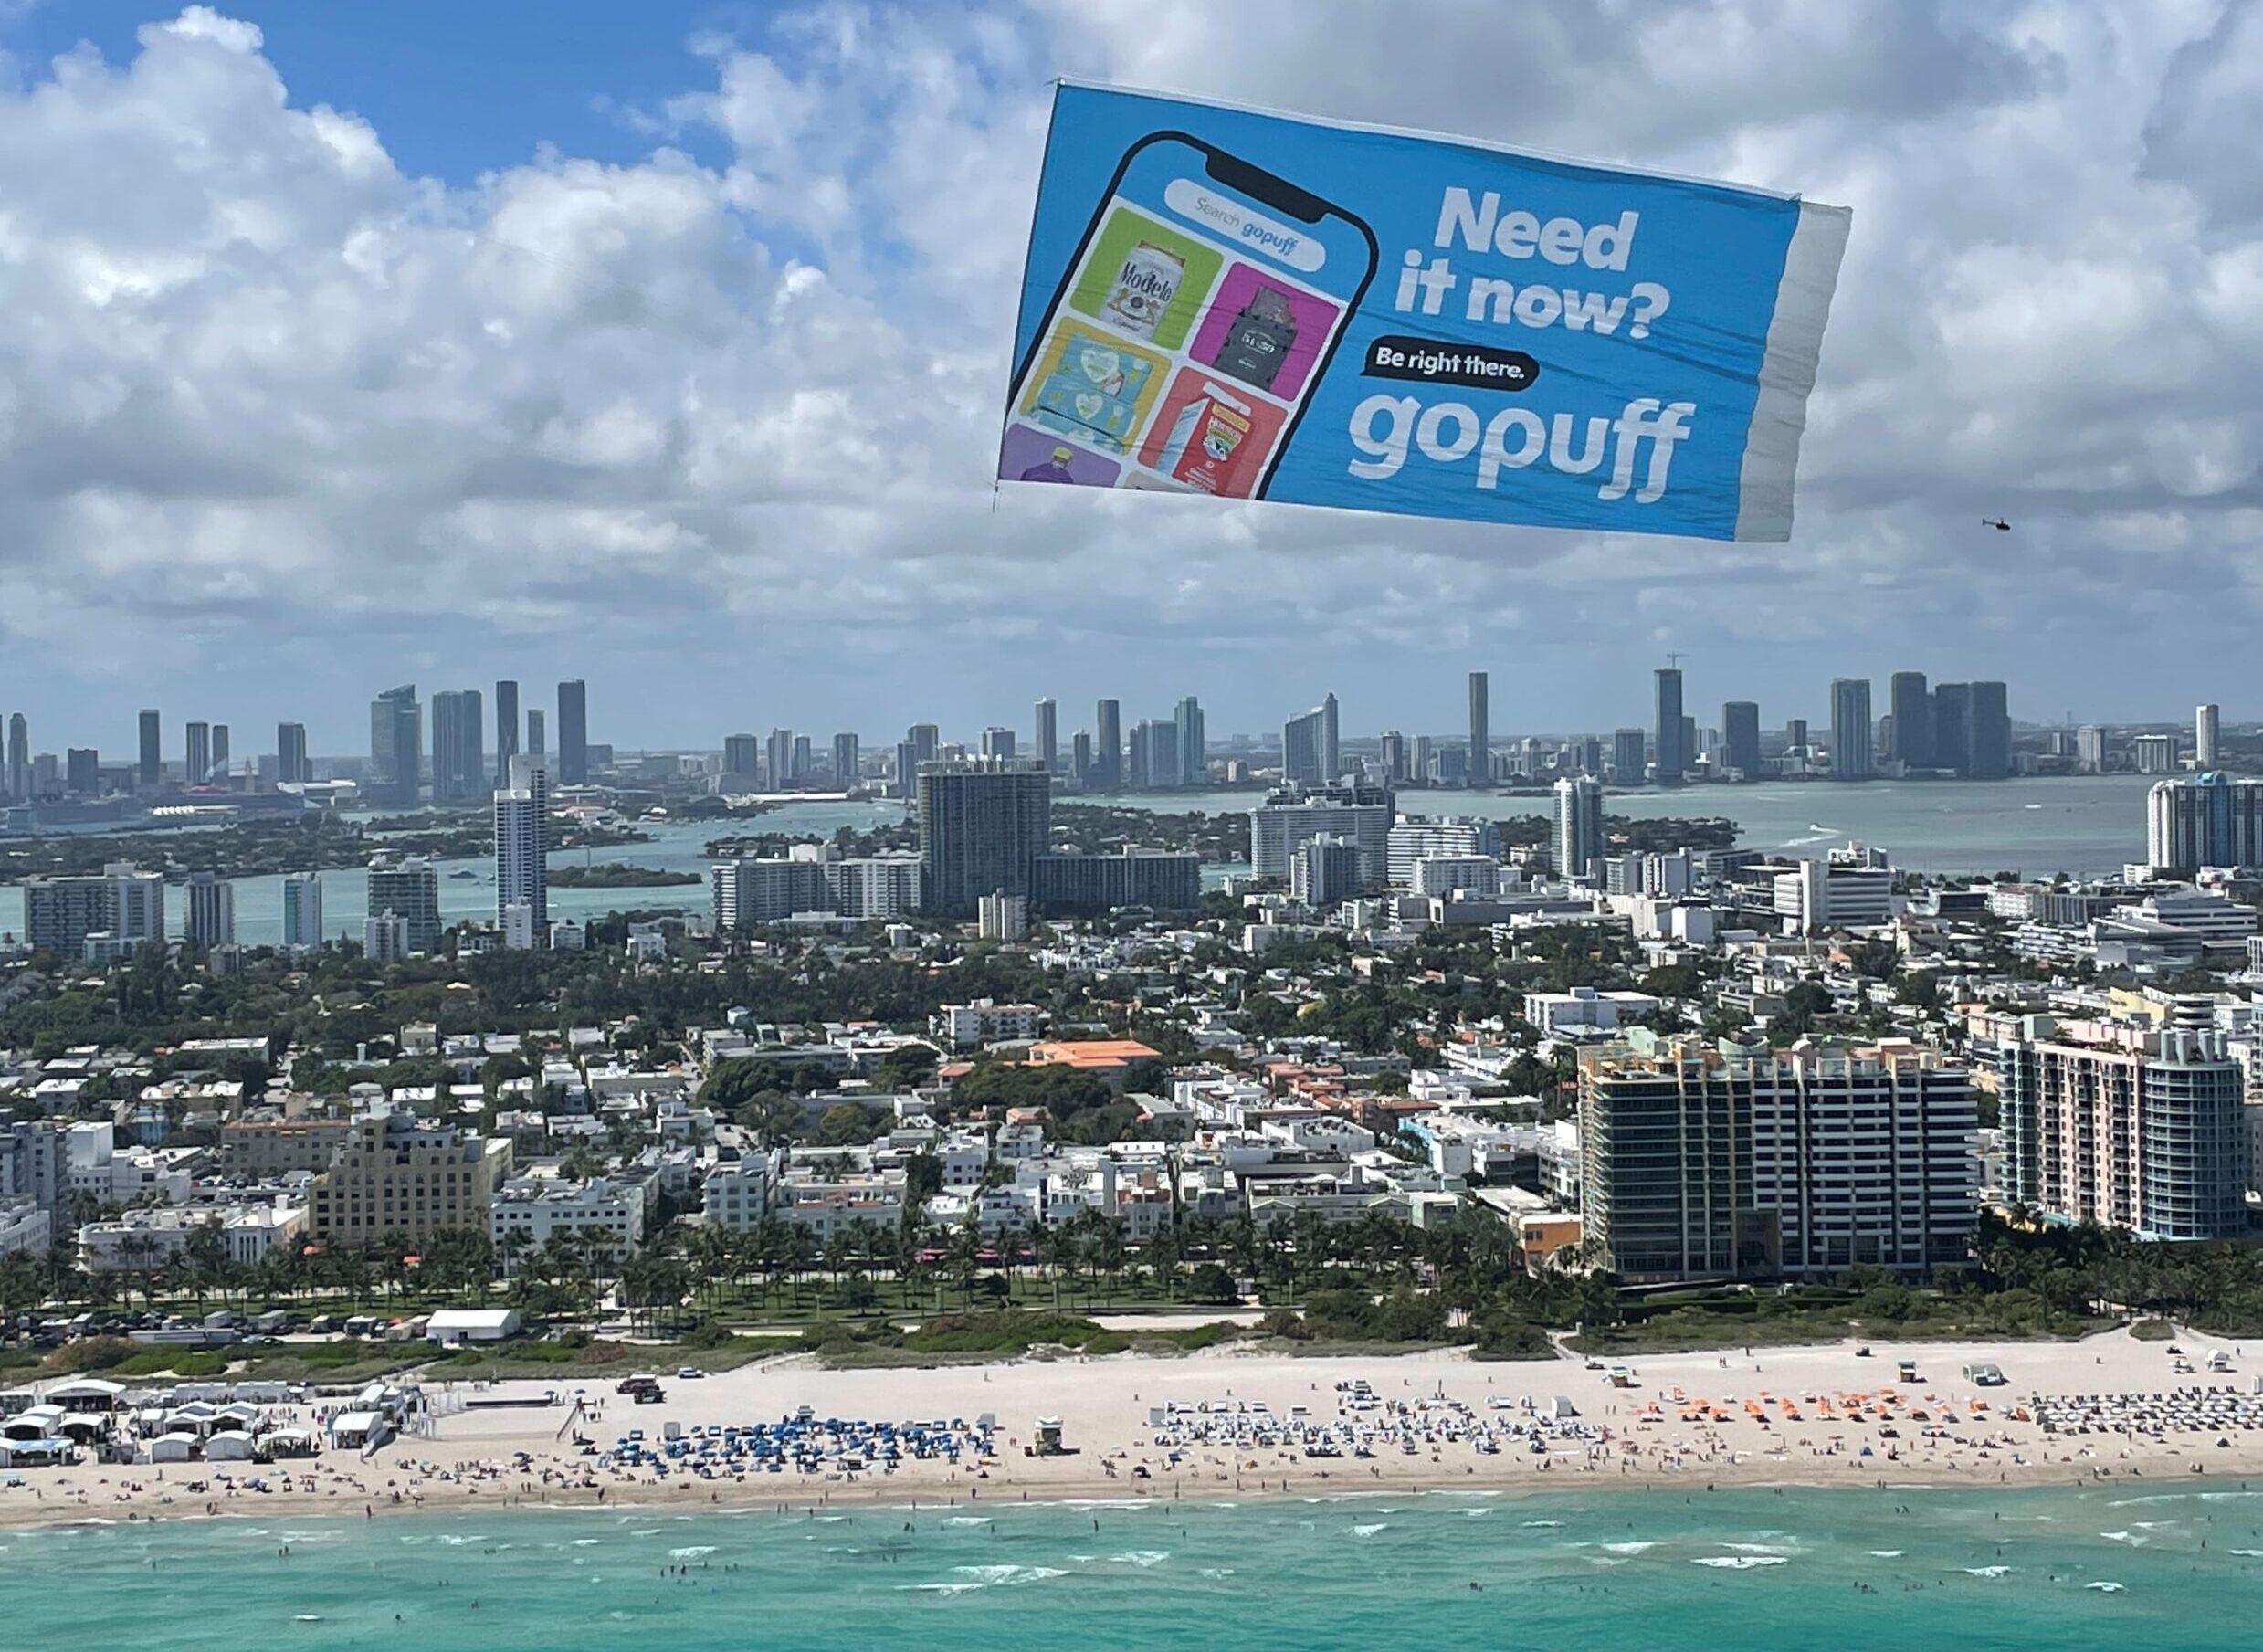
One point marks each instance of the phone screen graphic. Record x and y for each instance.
(1198, 312)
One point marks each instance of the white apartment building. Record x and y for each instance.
(1443, 874)
(829, 1207)
(876, 886)
(602, 1212)
(1409, 841)
(303, 911)
(1826, 895)
(150, 1239)
(736, 1191)
(2211, 916)
(1584, 1008)
(984, 1021)
(24, 1227)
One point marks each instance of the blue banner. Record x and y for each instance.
(1249, 306)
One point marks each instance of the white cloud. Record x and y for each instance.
(278, 422)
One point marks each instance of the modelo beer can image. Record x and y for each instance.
(1146, 283)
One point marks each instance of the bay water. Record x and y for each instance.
(2086, 825)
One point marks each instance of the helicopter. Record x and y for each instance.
(1998, 522)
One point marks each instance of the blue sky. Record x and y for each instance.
(660, 345)
(456, 87)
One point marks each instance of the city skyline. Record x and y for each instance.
(449, 733)
(342, 537)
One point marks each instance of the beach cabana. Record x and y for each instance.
(88, 1393)
(352, 1428)
(174, 1447)
(289, 1442)
(84, 1426)
(36, 1454)
(227, 1447)
(39, 1422)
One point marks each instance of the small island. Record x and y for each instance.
(617, 875)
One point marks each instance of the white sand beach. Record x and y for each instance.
(1819, 1415)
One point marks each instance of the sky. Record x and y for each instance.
(664, 346)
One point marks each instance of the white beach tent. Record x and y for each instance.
(352, 1428)
(87, 1394)
(289, 1442)
(229, 1448)
(174, 1447)
(37, 1423)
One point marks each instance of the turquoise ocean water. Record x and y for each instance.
(1692, 1571)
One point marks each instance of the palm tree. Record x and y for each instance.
(514, 1244)
(1108, 1250)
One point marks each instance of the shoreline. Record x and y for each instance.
(1232, 1425)
(1098, 1497)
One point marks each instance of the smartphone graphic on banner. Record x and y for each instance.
(1200, 308)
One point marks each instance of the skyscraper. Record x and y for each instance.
(2145, 1134)
(1293, 817)
(19, 758)
(409, 889)
(1480, 767)
(459, 758)
(1988, 753)
(1081, 757)
(153, 770)
(396, 745)
(980, 826)
(1952, 727)
(1673, 757)
(1393, 747)
(743, 758)
(1300, 750)
(1308, 746)
(1046, 731)
(918, 746)
(506, 728)
(1629, 757)
(1851, 755)
(1912, 709)
(573, 733)
(2206, 820)
(219, 751)
(211, 912)
(1795, 733)
(303, 911)
(848, 761)
(1155, 755)
(522, 845)
(535, 723)
(1702, 1161)
(2207, 726)
(778, 756)
(1577, 842)
(291, 753)
(1739, 735)
(997, 741)
(195, 752)
(82, 770)
(1193, 742)
(1107, 746)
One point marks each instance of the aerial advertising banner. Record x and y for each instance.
(1249, 306)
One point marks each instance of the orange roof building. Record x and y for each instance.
(1110, 1058)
